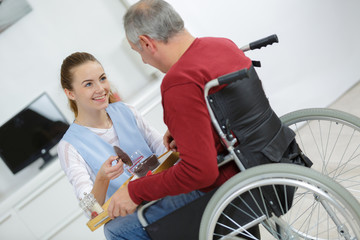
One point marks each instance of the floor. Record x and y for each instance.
(349, 101)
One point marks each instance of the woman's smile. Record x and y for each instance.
(101, 98)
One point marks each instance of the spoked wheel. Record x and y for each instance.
(286, 201)
(331, 139)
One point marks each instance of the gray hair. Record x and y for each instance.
(154, 18)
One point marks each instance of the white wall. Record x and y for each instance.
(32, 50)
(314, 63)
(317, 58)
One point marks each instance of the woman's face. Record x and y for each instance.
(91, 87)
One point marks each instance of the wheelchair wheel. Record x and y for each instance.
(331, 139)
(312, 206)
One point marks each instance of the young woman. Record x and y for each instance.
(86, 151)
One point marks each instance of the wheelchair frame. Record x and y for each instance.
(335, 205)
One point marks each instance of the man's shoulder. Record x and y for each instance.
(180, 76)
(215, 39)
(218, 41)
(206, 59)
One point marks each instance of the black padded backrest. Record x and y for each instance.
(243, 103)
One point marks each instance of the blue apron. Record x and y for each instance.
(95, 151)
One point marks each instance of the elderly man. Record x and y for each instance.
(156, 31)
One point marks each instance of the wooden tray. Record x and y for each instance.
(166, 160)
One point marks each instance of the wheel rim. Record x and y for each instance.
(331, 139)
(301, 226)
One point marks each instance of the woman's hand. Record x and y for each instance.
(169, 141)
(111, 168)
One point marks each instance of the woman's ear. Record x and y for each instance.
(69, 94)
(148, 43)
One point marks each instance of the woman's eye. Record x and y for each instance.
(103, 79)
(87, 84)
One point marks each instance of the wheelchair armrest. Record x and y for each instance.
(222, 160)
(234, 76)
(141, 213)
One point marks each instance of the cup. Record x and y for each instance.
(142, 166)
(136, 158)
(146, 166)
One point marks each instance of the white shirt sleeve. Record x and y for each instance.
(152, 137)
(77, 171)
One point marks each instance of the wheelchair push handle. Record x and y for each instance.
(232, 77)
(261, 43)
(264, 42)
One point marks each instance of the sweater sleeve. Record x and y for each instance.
(188, 120)
(77, 171)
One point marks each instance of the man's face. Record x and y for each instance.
(142, 53)
(148, 55)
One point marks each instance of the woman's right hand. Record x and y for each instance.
(111, 168)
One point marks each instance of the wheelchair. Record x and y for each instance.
(282, 200)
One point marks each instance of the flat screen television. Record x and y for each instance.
(31, 134)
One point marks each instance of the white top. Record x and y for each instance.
(80, 174)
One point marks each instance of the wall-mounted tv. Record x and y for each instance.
(31, 134)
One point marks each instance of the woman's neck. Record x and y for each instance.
(99, 119)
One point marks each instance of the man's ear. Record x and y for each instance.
(148, 43)
(69, 94)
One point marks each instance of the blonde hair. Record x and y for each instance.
(74, 60)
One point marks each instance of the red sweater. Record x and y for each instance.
(188, 120)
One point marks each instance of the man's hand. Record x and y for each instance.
(169, 141)
(121, 203)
